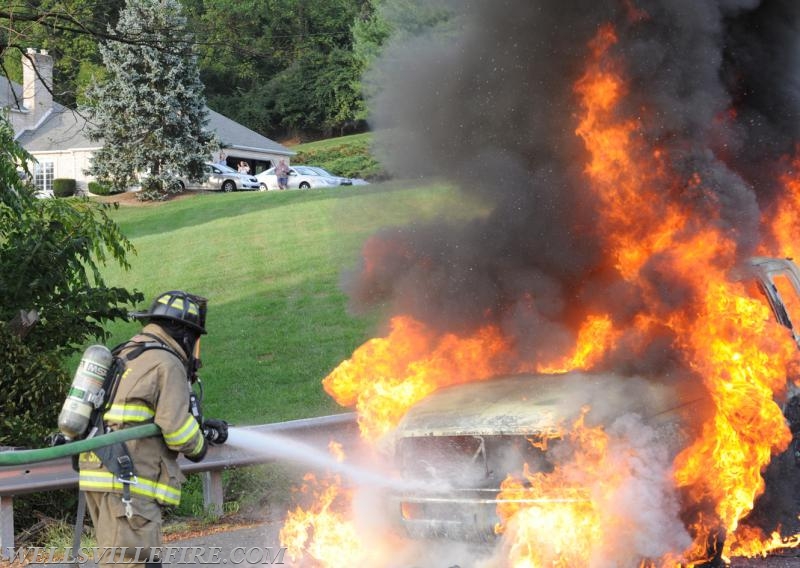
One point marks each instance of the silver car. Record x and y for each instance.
(221, 178)
(300, 177)
(342, 180)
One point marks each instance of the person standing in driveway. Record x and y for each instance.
(282, 173)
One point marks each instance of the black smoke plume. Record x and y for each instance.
(487, 101)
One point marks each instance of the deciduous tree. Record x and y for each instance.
(68, 29)
(54, 298)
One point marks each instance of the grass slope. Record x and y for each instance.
(270, 264)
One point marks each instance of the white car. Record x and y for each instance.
(221, 178)
(300, 177)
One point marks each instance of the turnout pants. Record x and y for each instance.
(122, 536)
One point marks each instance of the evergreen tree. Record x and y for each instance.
(149, 111)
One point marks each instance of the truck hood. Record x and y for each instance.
(535, 404)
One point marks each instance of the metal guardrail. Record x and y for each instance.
(58, 473)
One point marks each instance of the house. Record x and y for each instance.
(56, 135)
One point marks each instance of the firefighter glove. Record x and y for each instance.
(215, 431)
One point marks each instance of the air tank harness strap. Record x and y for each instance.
(117, 459)
(142, 346)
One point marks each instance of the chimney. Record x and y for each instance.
(37, 83)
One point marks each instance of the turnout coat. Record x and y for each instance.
(152, 388)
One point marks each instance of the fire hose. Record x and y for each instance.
(17, 457)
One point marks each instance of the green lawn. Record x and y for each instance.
(270, 264)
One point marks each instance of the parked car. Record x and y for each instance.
(301, 177)
(342, 180)
(221, 178)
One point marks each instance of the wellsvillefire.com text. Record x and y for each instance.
(168, 554)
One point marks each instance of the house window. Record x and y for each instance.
(43, 176)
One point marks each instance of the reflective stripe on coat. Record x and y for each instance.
(153, 388)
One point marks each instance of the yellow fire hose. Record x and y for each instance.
(17, 457)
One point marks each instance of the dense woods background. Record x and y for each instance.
(284, 68)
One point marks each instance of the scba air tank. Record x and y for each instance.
(85, 392)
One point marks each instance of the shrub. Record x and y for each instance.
(157, 188)
(247, 490)
(51, 251)
(31, 399)
(64, 187)
(40, 515)
(97, 188)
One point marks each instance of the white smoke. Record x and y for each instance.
(643, 519)
(637, 520)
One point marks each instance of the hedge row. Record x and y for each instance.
(352, 159)
(97, 188)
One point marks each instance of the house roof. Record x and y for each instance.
(61, 129)
(10, 94)
(65, 129)
(234, 135)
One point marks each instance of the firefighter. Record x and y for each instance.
(127, 485)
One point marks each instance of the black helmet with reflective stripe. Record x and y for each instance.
(179, 307)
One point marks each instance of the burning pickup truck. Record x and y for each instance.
(469, 438)
(485, 447)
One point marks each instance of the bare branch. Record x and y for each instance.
(65, 22)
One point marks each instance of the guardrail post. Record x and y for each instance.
(6, 525)
(212, 492)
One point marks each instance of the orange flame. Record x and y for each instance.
(724, 335)
(785, 218)
(595, 338)
(336, 450)
(580, 512)
(565, 526)
(322, 536)
(325, 533)
(739, 357)
(386, 376)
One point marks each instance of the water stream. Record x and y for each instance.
(286, 448)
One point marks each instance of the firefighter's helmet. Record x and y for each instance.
(180, 307)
